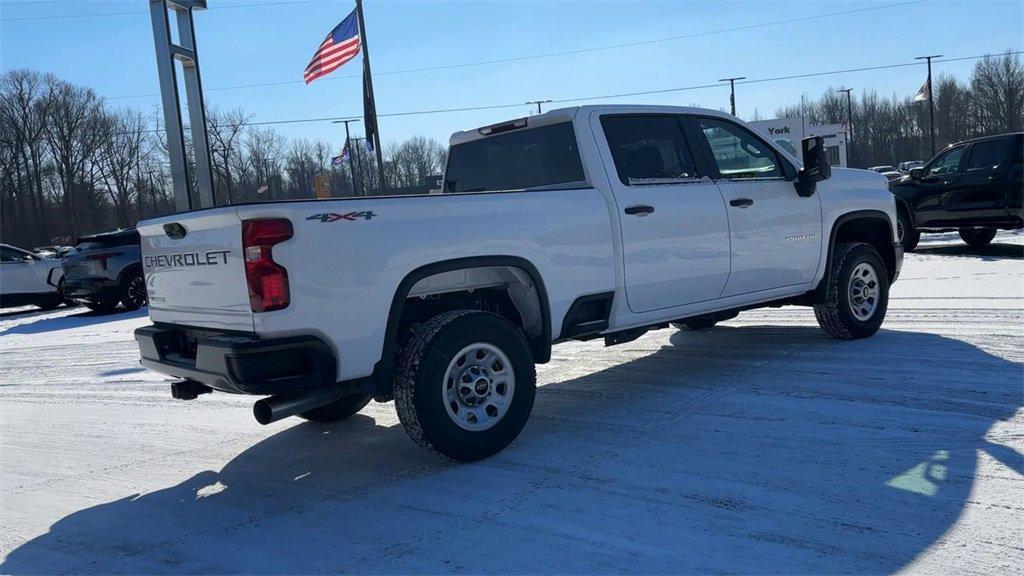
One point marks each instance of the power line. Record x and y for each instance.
(611, 96)
(548, 54)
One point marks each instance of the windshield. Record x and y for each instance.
(530, 158)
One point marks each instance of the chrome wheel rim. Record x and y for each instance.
(478, 387)
(137, 291)
(863, 291)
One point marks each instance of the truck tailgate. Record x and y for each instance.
(195, 271)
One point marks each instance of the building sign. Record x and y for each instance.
(788, 132)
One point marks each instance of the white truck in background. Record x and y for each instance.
(580, 223)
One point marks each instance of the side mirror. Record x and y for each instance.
(916, 173)
(816, 167)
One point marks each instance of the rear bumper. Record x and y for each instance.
(238, 363)
(90, 288)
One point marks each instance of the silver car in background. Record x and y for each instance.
(104, 270)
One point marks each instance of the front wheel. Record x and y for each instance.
(465, 384)
(906, 233)
(857, 294)
(977, 237)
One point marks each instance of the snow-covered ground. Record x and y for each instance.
(761, 446)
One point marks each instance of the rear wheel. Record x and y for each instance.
(465, 384)
(906, 233)
(132, 291)
(340, 409)
(857, 294)
(977, 237)
(54, 300)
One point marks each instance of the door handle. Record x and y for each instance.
(741, 202)
(639, 210)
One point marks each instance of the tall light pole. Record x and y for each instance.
(931, 96)
(732, 91)
(538, 103)
(849, 125)
(352, 171)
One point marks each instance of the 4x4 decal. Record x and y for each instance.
(334, 216)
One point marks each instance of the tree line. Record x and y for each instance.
(891, 129)
(71, 164)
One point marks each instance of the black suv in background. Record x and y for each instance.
(974, 187)
(105, 269)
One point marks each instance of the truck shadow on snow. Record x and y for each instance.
(747, 449)
(80, 319)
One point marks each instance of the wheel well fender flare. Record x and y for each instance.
(904, 206)
(837, 226)
(540, 346)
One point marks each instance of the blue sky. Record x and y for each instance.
(114, 54)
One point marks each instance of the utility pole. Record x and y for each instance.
(931, 96)
(348, 145)
(732, 91)
(849, 126)
(538, 103)
(352, 151)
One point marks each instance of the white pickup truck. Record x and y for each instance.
(580, 223)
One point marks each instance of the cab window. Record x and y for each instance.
(12, 255)
(546, 156)
(737, 152)
(988, 154)
(947, 163)
(648, 150)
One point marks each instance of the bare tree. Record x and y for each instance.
(120, 156)
(225, 131)
(73, 130)
(997, 88)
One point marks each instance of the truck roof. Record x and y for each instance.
(567, 114)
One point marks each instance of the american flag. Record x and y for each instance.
(341, 158)
(340, 46)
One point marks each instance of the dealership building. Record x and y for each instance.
(788, 132)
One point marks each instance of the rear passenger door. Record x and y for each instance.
(981, 193)
(675, 232)
(775, 234)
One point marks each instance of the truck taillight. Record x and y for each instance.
(268, 281)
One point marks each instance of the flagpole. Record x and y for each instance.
(931, 97)
(371, 120)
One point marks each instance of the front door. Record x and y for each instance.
(937, 188)
(775, 234)
(675, 231)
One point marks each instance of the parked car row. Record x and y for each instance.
(100, 272)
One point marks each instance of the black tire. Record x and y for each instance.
(132, 291)
(101, 305)
(906, 233)
(422, 394)
(836, 314)
(53, 301)
(340, 409)
(977, 237)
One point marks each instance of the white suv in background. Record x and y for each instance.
(29, 279)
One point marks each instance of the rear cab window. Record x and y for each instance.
(531, 158)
